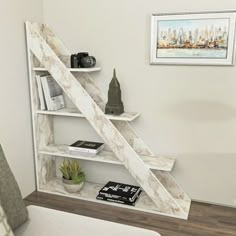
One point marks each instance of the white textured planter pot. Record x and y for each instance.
(70, 186)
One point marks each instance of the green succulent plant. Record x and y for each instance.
(71, 170)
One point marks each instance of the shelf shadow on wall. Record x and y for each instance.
(201, 111)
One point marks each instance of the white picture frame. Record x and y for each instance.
(196, 38)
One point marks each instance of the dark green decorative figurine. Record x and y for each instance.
(114, 105)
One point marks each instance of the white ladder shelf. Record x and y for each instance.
(162, 194)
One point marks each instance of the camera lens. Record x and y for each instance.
(88, 62)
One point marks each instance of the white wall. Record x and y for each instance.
(188, 111)
(15, 121)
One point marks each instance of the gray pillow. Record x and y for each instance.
(10, 195)
(4, 226)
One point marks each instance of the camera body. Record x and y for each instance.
(82, 60)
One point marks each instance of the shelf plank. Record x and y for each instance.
(73, 112)
(156, 163)
(85, 70)
(90, 191)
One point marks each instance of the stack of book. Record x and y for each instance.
(120, 193)
(86, 147)
(50, 93)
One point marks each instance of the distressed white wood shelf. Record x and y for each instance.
(72, 112)
(90, 191)
(156, 162)
(85, 70)
(162, 195)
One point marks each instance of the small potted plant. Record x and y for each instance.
(73, 177)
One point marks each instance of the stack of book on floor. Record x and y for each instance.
(120, 193)
(86, 147)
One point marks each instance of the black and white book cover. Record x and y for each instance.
(122, 198)
(126, 202)
(53, 93)
(86, 146)
(120, 191)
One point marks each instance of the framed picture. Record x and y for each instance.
(202, 38)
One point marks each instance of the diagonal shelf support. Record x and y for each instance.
(104, 127)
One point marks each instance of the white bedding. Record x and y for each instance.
(48, 222)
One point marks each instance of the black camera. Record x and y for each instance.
(82, 60)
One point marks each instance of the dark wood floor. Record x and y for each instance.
(204, 219)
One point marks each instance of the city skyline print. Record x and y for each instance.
(207, 38)
(201, 38)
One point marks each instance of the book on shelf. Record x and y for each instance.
(40, 93)
(120, 191)
(52, 93)
(89, 147)
(126, 202)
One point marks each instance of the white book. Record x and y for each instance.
(85, 154)
(83, 150)
(40, 93)
(53, 93)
